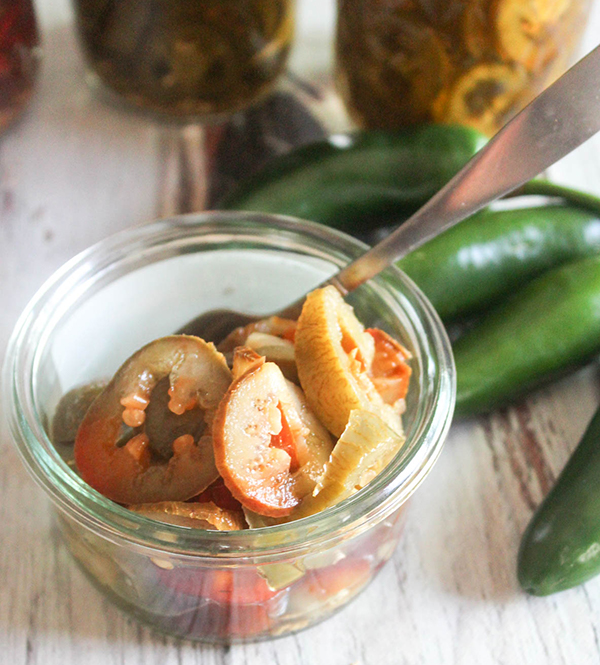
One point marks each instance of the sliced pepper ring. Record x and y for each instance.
(525, 26)
(389, 371)
(274, 325)
(485, 96)
(264, 451)
(205, 515)
(132, 473)
(334, 355)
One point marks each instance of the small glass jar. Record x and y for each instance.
(473, 62)
(19, 44)
(183, 57)
(147, 282)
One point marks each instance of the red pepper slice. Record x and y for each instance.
(137, 472)
(389, 370)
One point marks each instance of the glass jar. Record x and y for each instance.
(473, 62)
(18, 57)
(186, 57)
(210, 585)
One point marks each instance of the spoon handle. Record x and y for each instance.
(556, 122)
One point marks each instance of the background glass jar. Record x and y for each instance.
(18, 57)
(474, 62)
(215, 585)
(186, 57)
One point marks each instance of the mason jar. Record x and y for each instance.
(473, 62)
(186, 58)
(147, 282)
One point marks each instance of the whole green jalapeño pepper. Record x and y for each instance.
(561, 546)
(545, 329)
(360, 180)
(489, 255)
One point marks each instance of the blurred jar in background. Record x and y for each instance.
(18, 57)
(200, 58)
(474, 62)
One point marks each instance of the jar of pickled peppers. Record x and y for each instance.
(19, 57)
(474, 62)
(184, 58)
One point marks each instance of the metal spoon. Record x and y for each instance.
(556, 122)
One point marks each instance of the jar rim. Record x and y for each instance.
(94, 511)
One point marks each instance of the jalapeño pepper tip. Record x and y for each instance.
(560, 548)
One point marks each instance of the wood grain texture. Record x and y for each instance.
(72, 172)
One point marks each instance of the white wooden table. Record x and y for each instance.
(72, 172)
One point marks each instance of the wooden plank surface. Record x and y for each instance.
(73, 171)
